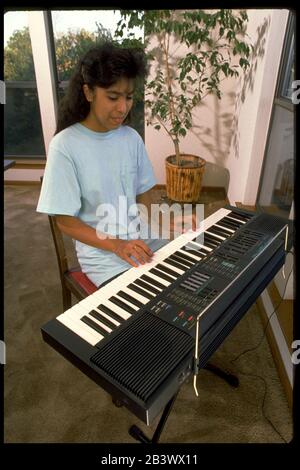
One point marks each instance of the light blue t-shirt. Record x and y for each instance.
(96, 177)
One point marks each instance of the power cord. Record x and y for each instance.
(256, 347)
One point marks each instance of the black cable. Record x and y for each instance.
(257, 346)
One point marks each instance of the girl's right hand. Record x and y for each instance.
(132, 251)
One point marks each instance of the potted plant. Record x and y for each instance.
(214, 50)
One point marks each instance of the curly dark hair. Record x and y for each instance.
(101, 66)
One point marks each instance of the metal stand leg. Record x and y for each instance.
(138, 434)
(231, 379)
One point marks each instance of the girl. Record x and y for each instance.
(96, 163)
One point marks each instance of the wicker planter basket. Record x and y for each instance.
(184, 182)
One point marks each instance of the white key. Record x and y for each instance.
(126, 302)
(196, 258)
(118, 310)
(80, 329)
(89, 301)
(225, 228)
(79, 312)
(236, 220)
(198, 245)
(213, 234)
(105, 327)
(173, 268)
(135, 295)
(150, 285)
(159, 279)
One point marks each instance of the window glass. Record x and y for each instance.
(277, 182)
(22, 120)
(288, 67)
(75, 32)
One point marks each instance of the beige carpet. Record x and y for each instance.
(48, 400)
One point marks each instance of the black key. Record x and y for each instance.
(138, 290)
(237, 215)
(152, 281)
(162, 275)
(194, 252)
(220, 231)
(122, 305)
(181, 260)
(233, 222)
(94, 325)
(147, 286)
(210, 243)
(103, 319)
(228, 224)
(130, 299)
(171, 262)
(185, 256)
(109, 312)
(167, 270)
(201, 249)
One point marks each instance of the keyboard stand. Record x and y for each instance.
(138, 434)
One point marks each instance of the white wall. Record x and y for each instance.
(231, 133)
(248, 146)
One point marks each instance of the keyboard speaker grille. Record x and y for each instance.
(144, 354)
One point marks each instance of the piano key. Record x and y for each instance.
(230, 230)
(124, 294)
(220, 238)
(139, 290)
(78, 313)
(122, 304)
(116, 309)
(172, 270)
(149, 287)
(161, 275)
(194, 252)
(103, 319)
(95, 326)
(140, 296)
(157, 282)
(237, 217)
(229, 224)
(190, 255)
(177, 264)
(113, 316)
(90, 303)
(92, 316)
(181, 258)
(164, 270)
(218, 231)
(235, 222)
(81, 330)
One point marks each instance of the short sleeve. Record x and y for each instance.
(60, 192)
(146, 178)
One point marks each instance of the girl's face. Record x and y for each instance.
(108, 106)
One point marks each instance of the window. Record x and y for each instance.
(75, 32)
(277, 181)
(23, 135)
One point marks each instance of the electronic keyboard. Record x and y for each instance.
(135, 336)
